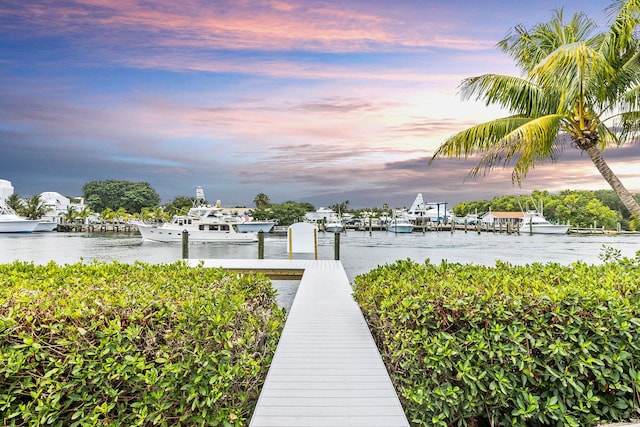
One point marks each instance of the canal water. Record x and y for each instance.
(359, 251)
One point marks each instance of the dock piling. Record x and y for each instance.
(185, 244)
(260, 244)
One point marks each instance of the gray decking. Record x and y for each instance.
(327, 370)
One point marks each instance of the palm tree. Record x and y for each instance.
(70, 215)
(262, 201)
(575, 82)
(14, 201)
(108, 215)
(84, 213)
(35, 208)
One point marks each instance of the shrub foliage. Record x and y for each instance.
(132, 344)
(534, 345)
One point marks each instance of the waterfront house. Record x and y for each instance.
(498, 219)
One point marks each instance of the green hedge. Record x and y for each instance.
(132, 344)
(534, 345)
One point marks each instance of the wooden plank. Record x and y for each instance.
(327, 370)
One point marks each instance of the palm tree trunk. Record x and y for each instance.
(620, 190)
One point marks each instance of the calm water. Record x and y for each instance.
(359, 252)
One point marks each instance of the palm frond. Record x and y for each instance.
(607, 136)
(520, 96)
(478, 138)
(630, 122)
(527, 145)
(570, 68)
(529, 48)
(631, 98)
(623, 27)
(523, 140)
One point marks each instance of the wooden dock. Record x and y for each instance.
(326, 370)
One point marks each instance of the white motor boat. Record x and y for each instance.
(10, 222)
(399, 224)
(333, 225)
(327, 220)
(203, 223)
(534, 223)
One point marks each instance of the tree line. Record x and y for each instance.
(122, 200)
(583, 208)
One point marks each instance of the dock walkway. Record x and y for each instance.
(326, 370)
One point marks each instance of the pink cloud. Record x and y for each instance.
(237, 24)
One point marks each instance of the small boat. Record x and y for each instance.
(327, 220)
(534, 223)
(10, 222)
(202, 223)
(333, 225)
(400, 224)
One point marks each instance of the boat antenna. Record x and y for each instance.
(199, 200)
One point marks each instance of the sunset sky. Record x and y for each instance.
(318, 101)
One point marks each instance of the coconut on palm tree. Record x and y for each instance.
(575, 82)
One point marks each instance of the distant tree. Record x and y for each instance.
(122, 215)
(472, 207)
(14, 201)
(286, 213)
(84, 214)
(70, 215)
(156, 214)
(579, 208)
(583, 209)
(108, 215)
(262, 201)
(340, 207)
(132, 196)
(306, 206)
(262, 214)
(611, 200)
(35, 208)
(180, 205)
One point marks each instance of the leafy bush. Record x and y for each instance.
(118, 344)
(534, 345)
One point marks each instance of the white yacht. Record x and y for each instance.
(10, 222)
(534, 223)
(204, 224)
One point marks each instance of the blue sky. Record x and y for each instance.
(319, 101)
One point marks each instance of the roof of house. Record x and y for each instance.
(518, 215)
